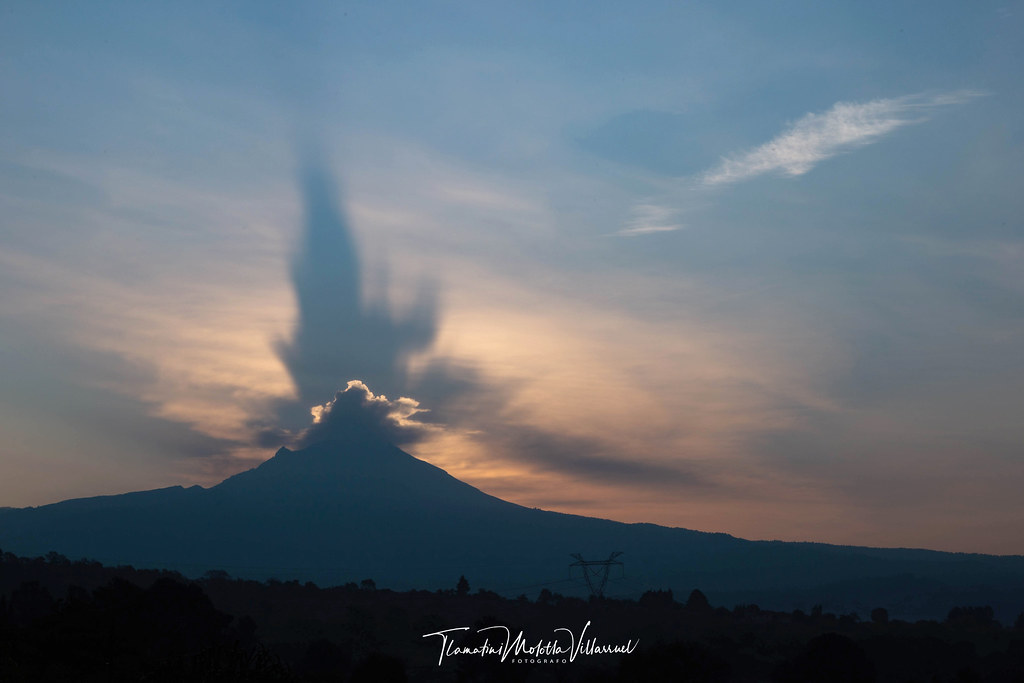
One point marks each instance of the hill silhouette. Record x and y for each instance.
(353, 508)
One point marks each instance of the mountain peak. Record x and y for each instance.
(360, 470)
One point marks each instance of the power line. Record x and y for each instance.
(595, 571)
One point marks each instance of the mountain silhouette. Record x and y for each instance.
(345, 510)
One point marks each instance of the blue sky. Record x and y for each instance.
(753, 269)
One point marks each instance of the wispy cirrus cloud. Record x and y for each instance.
(648, 219)
(816, 137)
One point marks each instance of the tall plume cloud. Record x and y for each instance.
(816, 137)
(338, 337)
(347, 357)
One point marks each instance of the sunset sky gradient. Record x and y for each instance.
(755, 268)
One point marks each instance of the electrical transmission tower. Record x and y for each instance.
(595, 571)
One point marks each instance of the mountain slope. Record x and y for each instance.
(334, 513)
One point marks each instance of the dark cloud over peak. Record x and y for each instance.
(356, 413)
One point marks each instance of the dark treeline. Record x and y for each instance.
(80, 621)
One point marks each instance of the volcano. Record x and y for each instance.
(341, 511)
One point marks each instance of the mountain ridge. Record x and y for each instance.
(336, 512)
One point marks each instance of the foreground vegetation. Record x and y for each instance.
(80, 621)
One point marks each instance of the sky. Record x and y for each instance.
(755, 268)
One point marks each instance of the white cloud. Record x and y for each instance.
(398, 411)
(649, 218)
(356, 410)
(816, 137)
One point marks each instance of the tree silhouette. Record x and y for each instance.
(657, 598)
(971, 616)
(698, 602)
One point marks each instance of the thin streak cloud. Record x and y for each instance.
(816, 137)
(648, 219)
